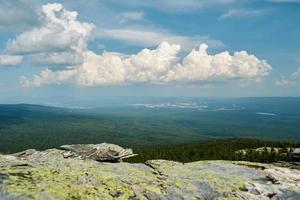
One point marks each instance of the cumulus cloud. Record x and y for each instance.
(60, 34)
(151, 65)
(47, 77)
(9, 60)
(161, 65)
(198, 66)
(62, 40)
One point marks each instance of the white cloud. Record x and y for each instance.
(62, 40)
(292, 80)
(151, 38)
(67, 58)
(241, 13)
(151, 65)
(199, 66)
(112, 68)
(131, 16)
(47, 77)
(9, 60)
(161, 65)
(99, 70)
(59, 32)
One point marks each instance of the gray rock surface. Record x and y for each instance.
(99, 152)
(51, 174)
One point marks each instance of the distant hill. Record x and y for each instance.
(149, 121)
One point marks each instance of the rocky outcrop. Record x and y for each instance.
(51, 174)
(98, 152)
(292, 154)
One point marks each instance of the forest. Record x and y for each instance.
(174, 134)
(217, 150)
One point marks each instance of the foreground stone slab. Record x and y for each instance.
(51, 174)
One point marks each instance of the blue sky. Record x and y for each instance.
(88, 49)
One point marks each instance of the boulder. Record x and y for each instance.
(99, 152)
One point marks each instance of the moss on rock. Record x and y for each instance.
(48, 175)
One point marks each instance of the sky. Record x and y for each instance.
(205, 48)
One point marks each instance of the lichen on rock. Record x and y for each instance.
(51, 174)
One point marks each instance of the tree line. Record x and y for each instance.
(217, 150)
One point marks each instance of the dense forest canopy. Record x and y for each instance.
(194, 130)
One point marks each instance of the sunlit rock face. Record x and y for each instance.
(66, 174)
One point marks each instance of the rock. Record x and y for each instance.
(295, 155)
(25, 153)
(267, 149)
(284, 175)
(292, 154)
(99, 152)
(291, 165)
(51, 175)
(115, 193)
